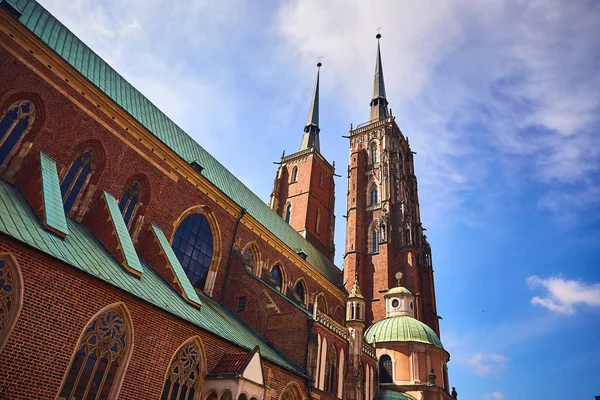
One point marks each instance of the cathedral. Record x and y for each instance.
(134, 265)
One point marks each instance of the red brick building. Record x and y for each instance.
(133, 265)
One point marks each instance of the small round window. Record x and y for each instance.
(395, 303)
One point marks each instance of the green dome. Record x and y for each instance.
(398, 290)
(401, 329)
(393, 395)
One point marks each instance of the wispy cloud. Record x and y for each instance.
(487, 364)
(494, 396)
(563, 295)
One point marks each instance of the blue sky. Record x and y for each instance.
(500, 100)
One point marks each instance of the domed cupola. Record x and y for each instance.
(399, 301)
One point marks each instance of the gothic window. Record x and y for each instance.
(100, 359)
(373, 153)
(13, 125)
(193, 246)
(250, 255)
(317, 220)
(295, 174)
(373, 195)
(385, 369)
(241, 305)
(373, 244)
(11, 297)
(288, 213)
(277, 276)
(76, 178)
(130, 201)
(185, 374)
(330, 370)
(300, 292)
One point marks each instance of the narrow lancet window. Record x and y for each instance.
(277, 276)
(76, 178)
(130, 201)
(288, 213)
(14, 124)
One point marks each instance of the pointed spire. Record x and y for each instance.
(379, 102)
(311, 130)
(355, 290)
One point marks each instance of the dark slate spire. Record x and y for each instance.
(311, 130)
(379, 103)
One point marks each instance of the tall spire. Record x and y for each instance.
(379, 103)
(311, 130)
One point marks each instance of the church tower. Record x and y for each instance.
(303, 192)
(384, 234)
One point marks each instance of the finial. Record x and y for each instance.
(398, 277)
(378, 36)
(283, 154)
(319, 65)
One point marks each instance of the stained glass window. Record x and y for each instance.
(9, 298)
(193, 246)
(129, 201)
(76, 178)
(250, 256)
(277, 276)
(13, 125)
(100, 357)
(385, 369)
(184, 376)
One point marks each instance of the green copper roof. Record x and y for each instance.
(313, 113)
(83, 251)
(54, 211)
(378, 84)
(132, 260)
(398, 290)
(401, 329)
(180, 275)
(385, 394)
(56, 36)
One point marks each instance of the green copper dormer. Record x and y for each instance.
(379, 103)
(311, 130)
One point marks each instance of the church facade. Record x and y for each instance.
(133, 265)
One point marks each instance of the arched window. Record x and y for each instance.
(101, 356)
(76, 178)
(11, 296)
(317, 220)
(277, 276)
(330, 370)
(373, 239)
(295, 174)
(193, 246)
(250, 256)
(226, 395)
(373, 153)
(300, 291)
(186, 373)
(385, 369)
(373, 195)
(130, 201)
(243, 396)
(288, 213)
(291, 392)
(13, 125)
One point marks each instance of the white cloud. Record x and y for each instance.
(494, 396)
(563, 295)
(487, 364)
(474, 85)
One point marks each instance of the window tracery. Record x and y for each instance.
(330, 370)
(185, 374)
(76, 178)
(10, 298)
(14, 124)
(101, 356)
(129, 201)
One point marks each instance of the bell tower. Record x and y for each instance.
(303, 191)
(384, 234)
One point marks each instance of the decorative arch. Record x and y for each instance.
(209, 280)
(321, 301)
(11, 295)
(135, 197)
(252, 255)
(301, 291)
(185, 376)
(226, 395)
(211, 395)
(278, 275)
(294, 174)
(104, 349)
(338, 314)
(243, 396)
(373, 152)
(291, 391)
(12, 135)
